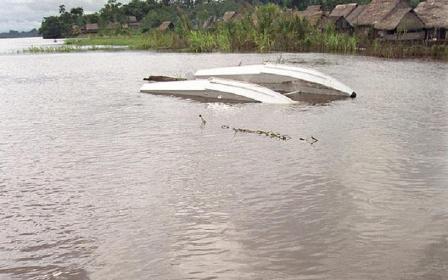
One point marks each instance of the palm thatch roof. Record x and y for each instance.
(434, 13)
(353, 16)
(313, 14)
(343, 10)
(229, 15)
(166, 25)
(392, 21)
(92, 27)
(337, 21)
(377, 10)
(132, 19)
(313, 8)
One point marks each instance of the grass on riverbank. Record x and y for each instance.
(68, 49)
(269, 29)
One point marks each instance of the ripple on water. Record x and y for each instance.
(99, 181)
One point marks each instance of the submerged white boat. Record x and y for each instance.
(217, 89)
(292, 81)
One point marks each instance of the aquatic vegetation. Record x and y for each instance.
(406, 50)
(67, 49)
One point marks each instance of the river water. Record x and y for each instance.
(99, 181)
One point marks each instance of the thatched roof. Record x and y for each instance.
(92, 27)
(377, 10)
(166, 25)
(343, 10)
(353, 16)
(393, 20)
(333, 20)
(229, 15)
(313, 14)
(313, 8)
(132, 19)
(434, 13)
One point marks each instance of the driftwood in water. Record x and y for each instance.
(270, 134)
(162, 79)
(311, 140)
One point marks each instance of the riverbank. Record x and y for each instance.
(267, 29)
(199, 41)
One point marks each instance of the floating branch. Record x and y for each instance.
(310, 140)
(270, 134)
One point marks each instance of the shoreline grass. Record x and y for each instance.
(257, 29)
(268, 29)
(206, 42)
(69, 49)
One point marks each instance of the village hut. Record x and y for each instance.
(340, 23)
(343, 10)
(166, 26)
(375, 12)
(353, 16)
(132, 22)
(313, 14)
(338, 18)
(401, 24)
(434, 13)
(230, 16)
(91, 28)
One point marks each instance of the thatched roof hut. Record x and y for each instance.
(166, 25)
(230, 15)
(343, 10)
(401, 19)
(353, 16)
(340, 23)
(313, 14)
(377, 10)
(91, 28)
(434, 13)
(132, 22)
(313, 8)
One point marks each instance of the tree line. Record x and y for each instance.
(20, 34)
(150, 13)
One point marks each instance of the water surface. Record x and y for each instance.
(98, 181)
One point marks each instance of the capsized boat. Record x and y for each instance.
(290, 80)
(217, 89)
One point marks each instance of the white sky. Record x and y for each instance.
(24, 15)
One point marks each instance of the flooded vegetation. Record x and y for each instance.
(99, 181)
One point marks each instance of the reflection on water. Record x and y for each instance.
(98, 181)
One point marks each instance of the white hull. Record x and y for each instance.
(217, 89)
(290, 80)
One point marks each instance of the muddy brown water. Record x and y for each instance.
(99, 181)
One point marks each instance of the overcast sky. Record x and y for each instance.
(24, 15)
